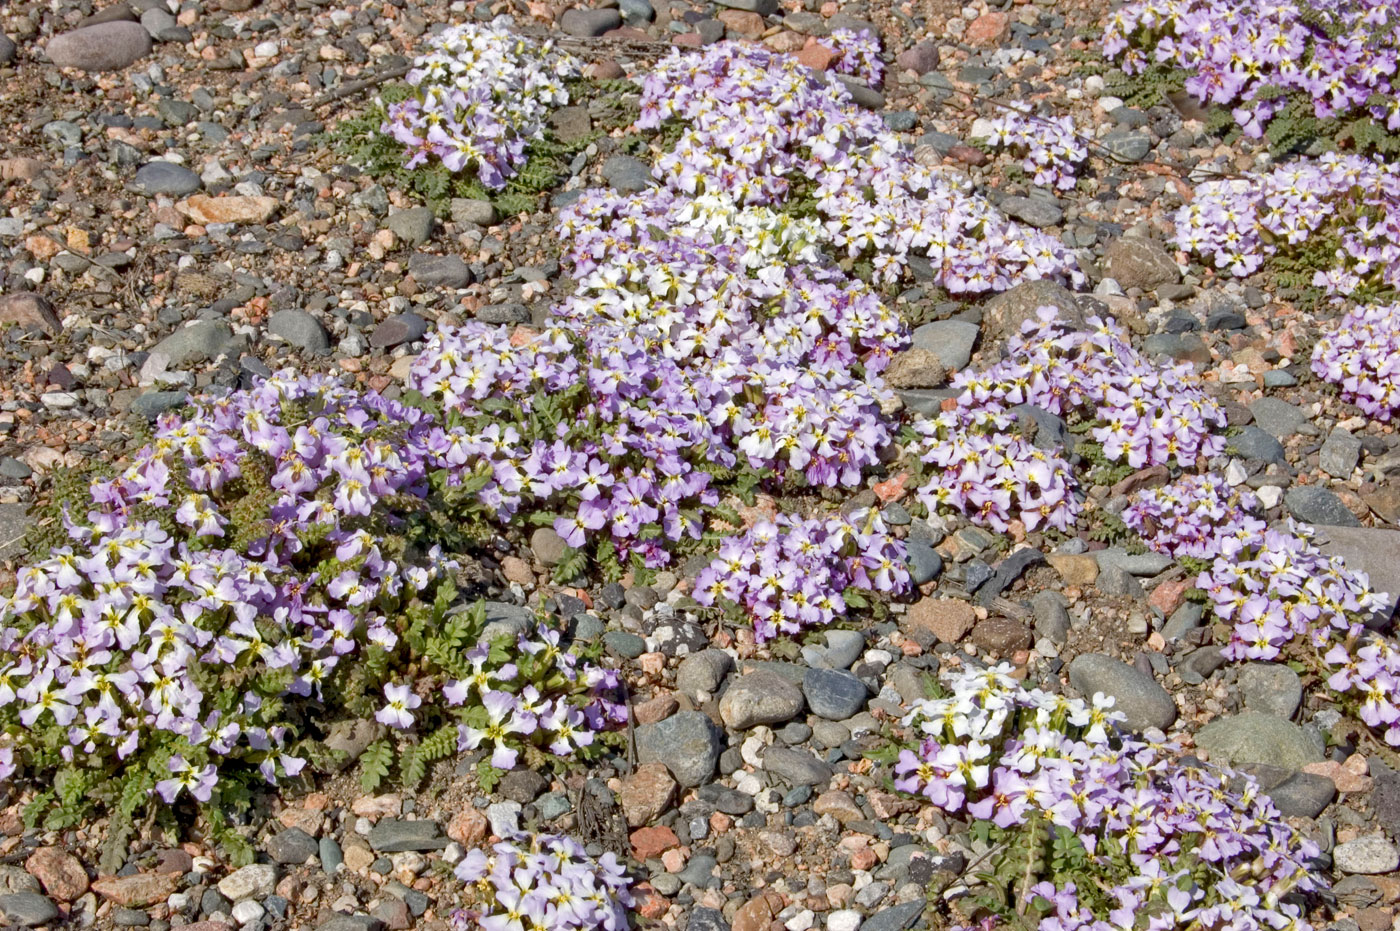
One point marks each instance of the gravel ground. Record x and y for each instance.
(177, 220)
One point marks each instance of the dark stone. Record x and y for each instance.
(392, 835)
(834, 694)
(397, 330)
(167, 178)
(439, 271)
(589, 23)
(523, 785)
(292, 846)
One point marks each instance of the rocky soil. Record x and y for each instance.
(175, 219)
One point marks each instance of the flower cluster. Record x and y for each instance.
(248, 532)
(255, 553)
(858, 55)
(542, 882)
(1349, 203)
(763, 129)
(1361, 356)
(723, 343)
(797, 573)
(1274, 586)
(1054, 778)
(1339, 54)
(1051, 149)
(992, 475)
(481, 95)
(1145, 414)
(1281, 587)
(529, 695)
(1198, 515)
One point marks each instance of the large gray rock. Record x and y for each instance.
(1271, 688)
(1372, 550)
(393, 835)
(688, 743)
(798, 767)
(834, 694)
(1340, 454)
(194, 343)
(439, 271)
(761, 7)
(104, 47)
(160, 177)
(1370, 855)
(27, 909)
(1253, 737)
(1137, 695)
(1140, 263)
(14, 525)
(1003, 315)
(589, 23)
(1278, 417)
(300, 329)
(626, 174)
(1253, 443)
(703, 672)
(413, 225)
(950, 340)
(761, 697)
(1315, 505)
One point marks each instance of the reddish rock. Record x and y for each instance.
(968, 156)
(652, 842)
(30, 311)
(987, 29)
(605, 71)
(300, 818)
(839, 805)
(785, 41)
(657, 708)
(921, 59)
(689, 40)
(59, 872)
(646, 794)
(891, 489)
(1168, 596)
(815, 56)
(864, 859)
(749, 25)
(138, 890)
(229, 208)
(468, 827)
(174, 860)
(948, 619)
(758, 913)
(377, 806)
(649, 902)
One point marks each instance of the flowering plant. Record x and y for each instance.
(1093, 828)
(1051, 149)
(1141, 413)
(1276, 588)
(763, 129)
(1329, 222)
(858, 55)
(1332, 59)
(797, 572)
(542, 882)
(254, 562)
(1361, 357)
(988, 473)
(1198, 515)
(480, 96)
